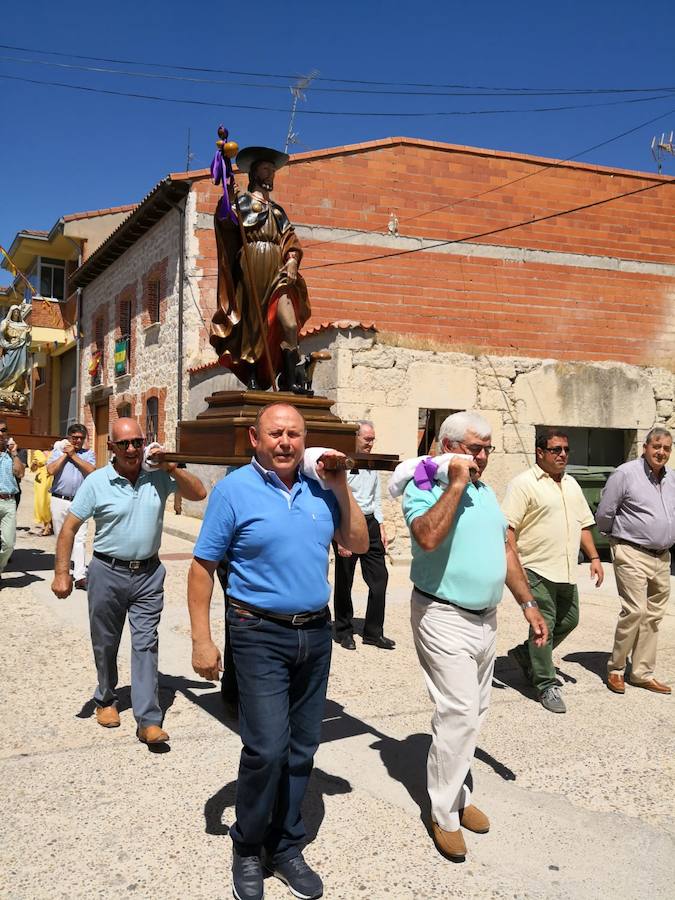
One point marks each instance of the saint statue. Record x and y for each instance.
(262, 298)
(14, 340)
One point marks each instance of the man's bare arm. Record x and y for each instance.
(189, 485)
(431, 528)
(206, 658)
(62, 584)
(517, 583)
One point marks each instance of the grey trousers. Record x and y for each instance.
(113, 593)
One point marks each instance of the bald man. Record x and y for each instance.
(126, 576)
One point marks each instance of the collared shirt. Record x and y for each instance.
(365, 486)
(636, 506)
(8, 483)
(547, 517)
(128, 516)
(276, 540)
(468, 568)
(69, 478)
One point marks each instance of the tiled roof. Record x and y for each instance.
(93, 213)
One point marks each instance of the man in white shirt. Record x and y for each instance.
(365, 486)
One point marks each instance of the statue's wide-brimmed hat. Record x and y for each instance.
(249, 156)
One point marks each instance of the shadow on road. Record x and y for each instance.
(594, 661)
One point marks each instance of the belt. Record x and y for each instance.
(7, 496)
(296, 619)
(134, 565)
(62, 496)
(650, 550)
(474, 612)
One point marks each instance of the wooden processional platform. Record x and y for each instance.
(219, 435)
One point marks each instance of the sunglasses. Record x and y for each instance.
(556, 451)
(136, 443)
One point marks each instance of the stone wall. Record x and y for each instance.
(390, 384)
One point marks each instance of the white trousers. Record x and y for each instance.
(60, 510)
(456, 650)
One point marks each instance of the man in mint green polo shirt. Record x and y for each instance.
(126, 576)
(460, 563)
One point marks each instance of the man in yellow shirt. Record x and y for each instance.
(549, 519)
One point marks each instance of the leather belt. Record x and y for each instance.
(296, 619)
(644, 549)
(7, 496)
(474, 612)
(134, 565)
(62, 496)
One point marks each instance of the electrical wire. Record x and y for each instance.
(317, 112)
(476, 87)
(330, 90)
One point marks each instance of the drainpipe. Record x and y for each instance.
(181, 280)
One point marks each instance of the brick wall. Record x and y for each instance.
(590, 307)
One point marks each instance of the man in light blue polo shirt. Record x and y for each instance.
(460, 563)
(125, 576)
(275, 528)
(11, 472)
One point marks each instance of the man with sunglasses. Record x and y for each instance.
(126, 576)
(549, 519)
(461, 561)
(11, 472)
(637, 509)
(70, 464)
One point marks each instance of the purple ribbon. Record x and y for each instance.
(424, 474)
(221, 171)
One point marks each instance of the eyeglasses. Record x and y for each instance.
(477, 449)
(136, 443)
(556, 451)
(4, 430)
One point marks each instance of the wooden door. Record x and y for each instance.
(101, 428)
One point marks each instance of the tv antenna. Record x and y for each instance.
(298, 93)
(659, 147)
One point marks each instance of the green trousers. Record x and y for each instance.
(559, 605)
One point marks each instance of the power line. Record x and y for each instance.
(554, 165)
(318, 112)
(483, 234)
(294, 75)
(105, 70)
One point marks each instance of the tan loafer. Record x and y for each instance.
(152, 734)
(450, 843)
(658, 687)
(107, 716)
(615, 683)
(474, 820)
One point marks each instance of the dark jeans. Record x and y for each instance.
(559, 605)
(282, 672)
(375, 575)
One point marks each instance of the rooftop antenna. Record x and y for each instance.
(659, 147)
(298, 93)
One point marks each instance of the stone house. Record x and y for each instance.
(441, 278)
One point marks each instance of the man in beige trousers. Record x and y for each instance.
(637, 510)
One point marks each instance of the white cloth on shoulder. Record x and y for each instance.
(404, 471)
(308, 464)
(149, 465)
(59, 445)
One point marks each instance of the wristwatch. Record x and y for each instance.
(530, 604)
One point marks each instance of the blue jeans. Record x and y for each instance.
(282, 672)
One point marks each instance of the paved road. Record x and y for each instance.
(582, 805)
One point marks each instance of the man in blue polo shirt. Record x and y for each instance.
(11, 472)
(460, 563)
(125, 576)
(275, 528)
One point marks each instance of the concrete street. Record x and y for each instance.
(582, 805)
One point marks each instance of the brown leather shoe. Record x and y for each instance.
(107, 716)
(658, 687)
(615, 683)
(474, 820)
(152, 734)
(450, 843)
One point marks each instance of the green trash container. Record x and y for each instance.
(592, 480)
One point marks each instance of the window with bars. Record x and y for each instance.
(151, 419)
(124, 411)
(153, 300)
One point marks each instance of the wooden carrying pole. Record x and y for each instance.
(254, 292)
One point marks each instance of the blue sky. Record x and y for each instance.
(65, 150)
